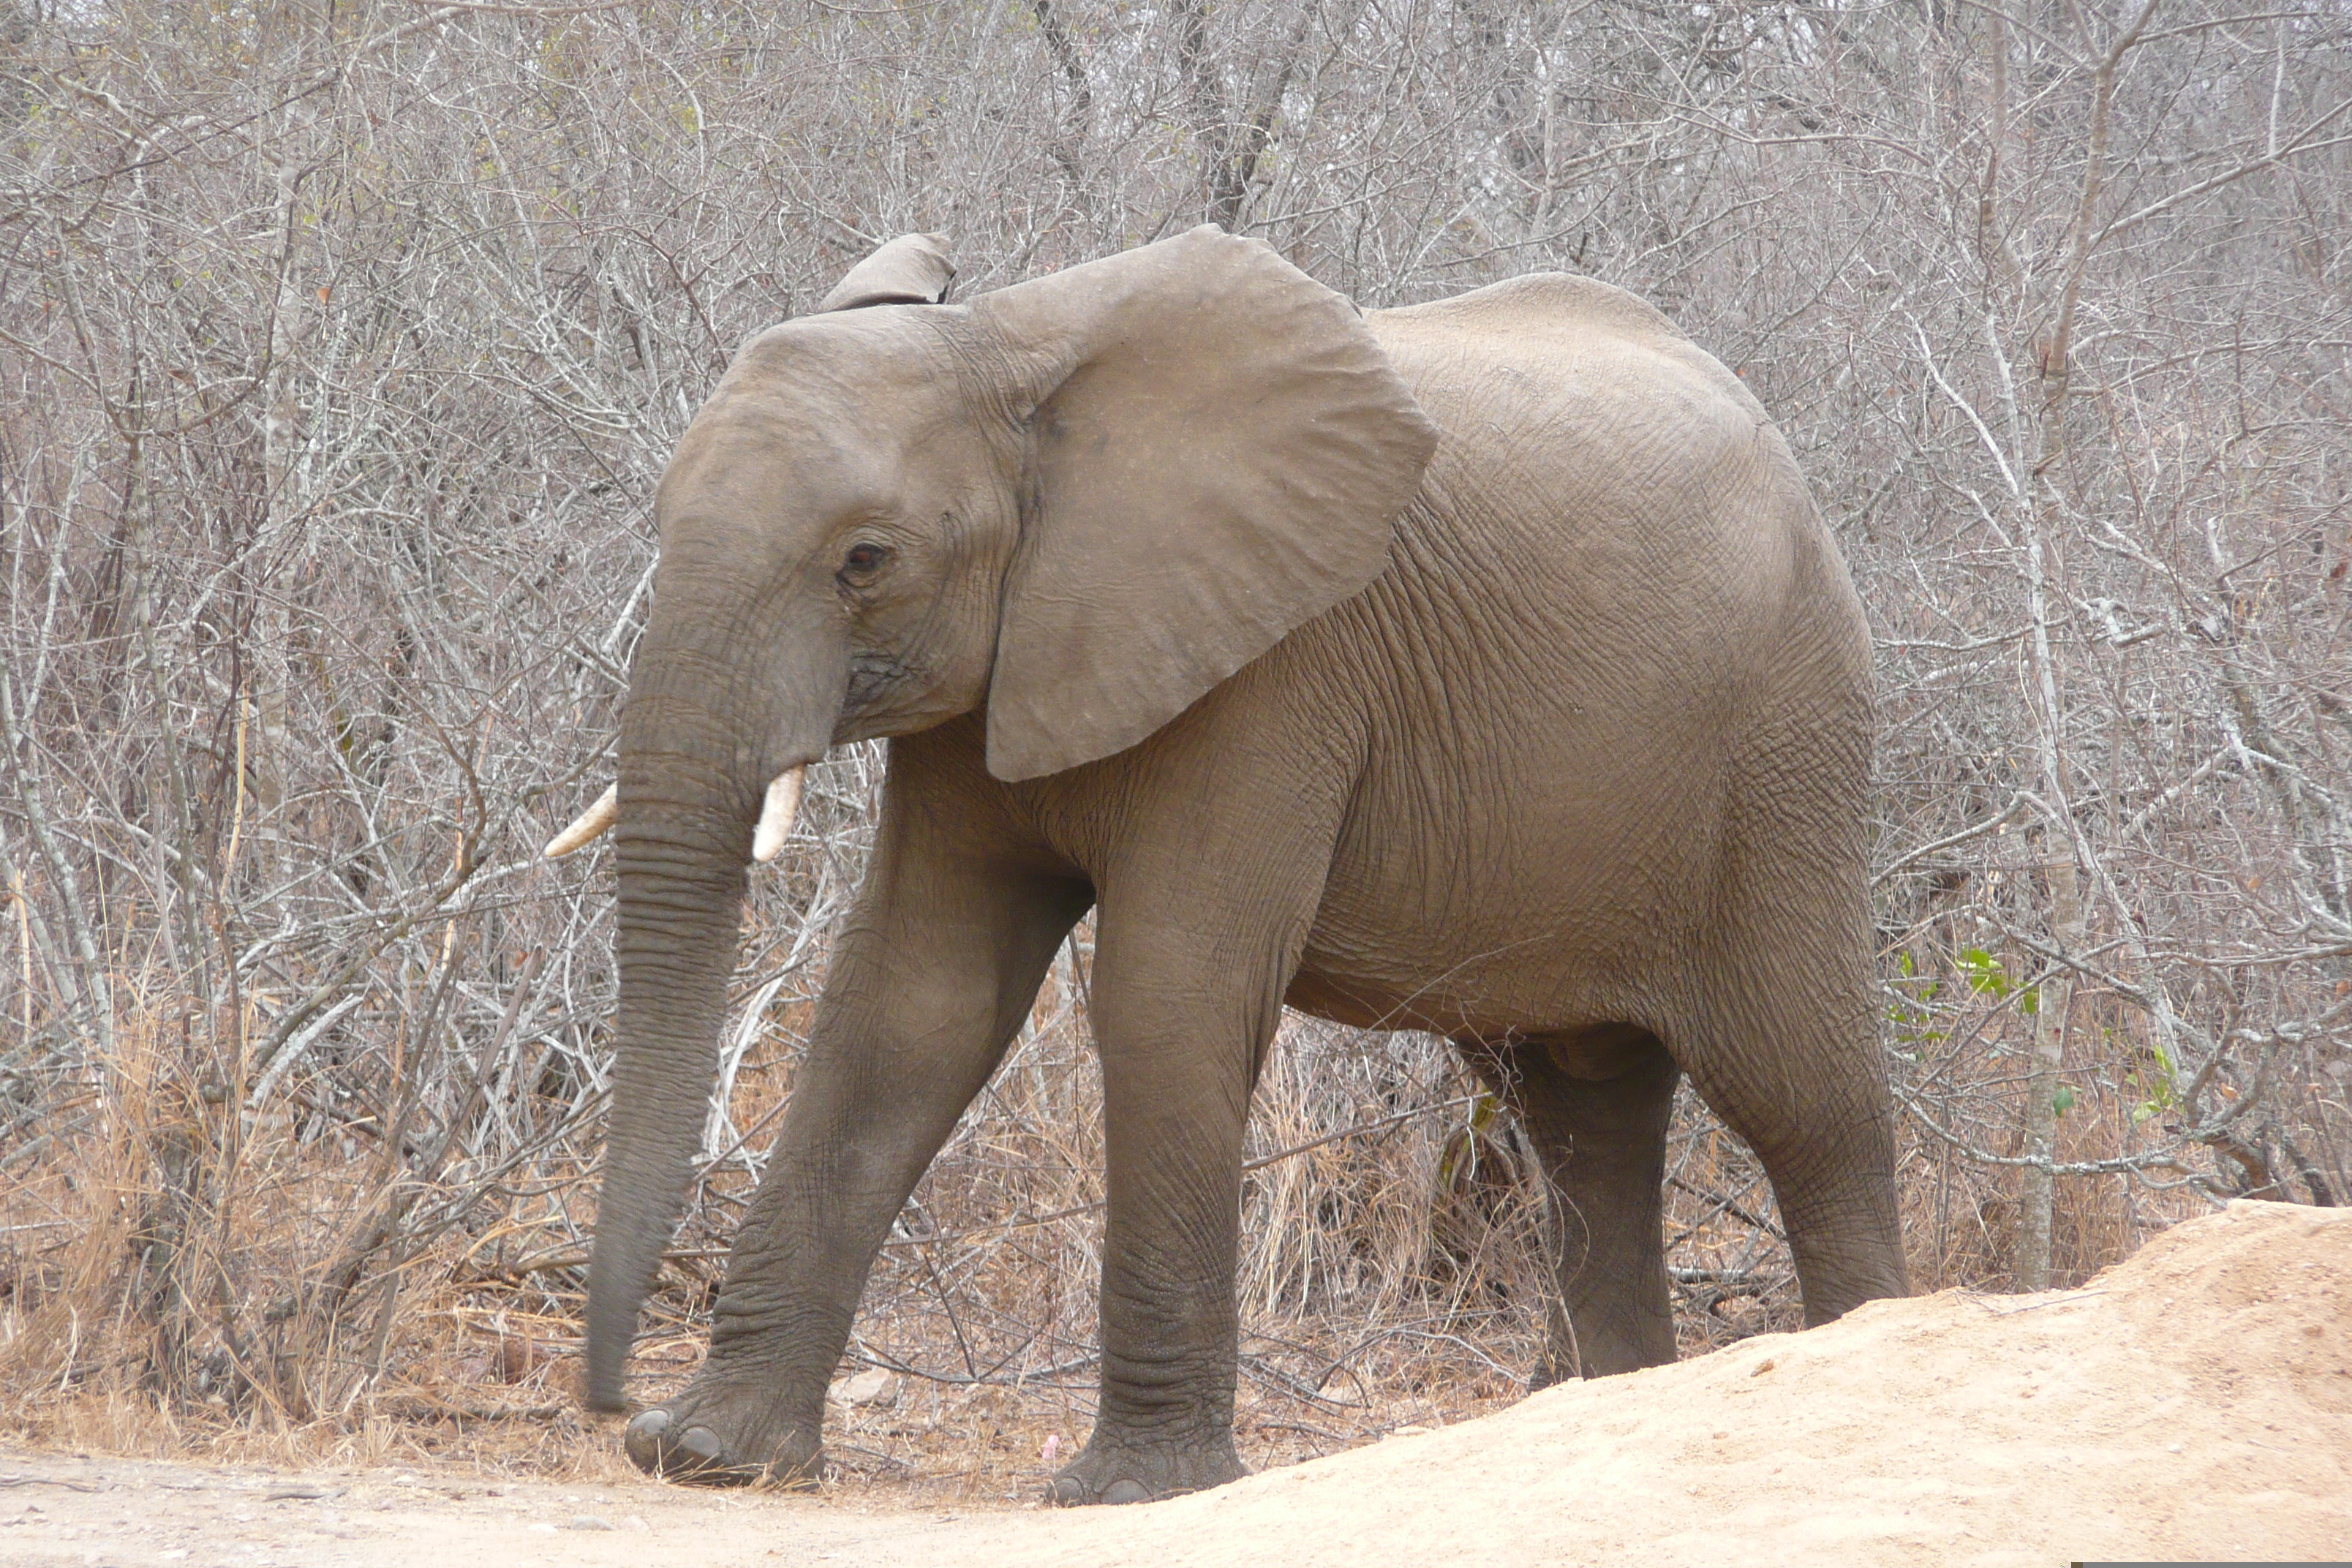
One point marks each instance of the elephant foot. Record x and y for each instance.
(1117, 1473)
(699, 1439)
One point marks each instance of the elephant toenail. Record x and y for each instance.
(702, 1443)
(1126, 1491)
(1066, 1491)
(643, 1439)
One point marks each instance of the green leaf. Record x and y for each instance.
(2063, 1100)
(1984, 973)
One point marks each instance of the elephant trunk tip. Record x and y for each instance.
(604, 1384)
(614, 1300)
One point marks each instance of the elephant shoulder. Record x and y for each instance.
(1534, 301)
(1560, 330)
(1565, 332)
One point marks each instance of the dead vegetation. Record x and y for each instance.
(339, 347)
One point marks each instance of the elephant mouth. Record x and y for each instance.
(873, 677)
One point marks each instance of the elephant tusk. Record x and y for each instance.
(593, 823)
(776, 814)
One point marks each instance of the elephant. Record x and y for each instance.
(1481, 667)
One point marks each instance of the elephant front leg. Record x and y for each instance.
(1182, 1025)
(937, 970)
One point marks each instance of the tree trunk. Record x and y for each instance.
(2056, 998)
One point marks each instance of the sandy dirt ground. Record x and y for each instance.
(2193, 1402)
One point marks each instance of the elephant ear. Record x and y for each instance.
(1218, 451)
(912, 269)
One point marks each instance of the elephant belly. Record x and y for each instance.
(1583, 906)
(1559, 981)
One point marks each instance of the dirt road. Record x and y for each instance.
(2194, 1401)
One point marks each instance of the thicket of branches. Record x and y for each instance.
(341, 346)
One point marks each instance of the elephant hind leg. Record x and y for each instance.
(1595, 1104)
(1787, 1054)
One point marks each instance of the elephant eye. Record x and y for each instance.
(864, 560)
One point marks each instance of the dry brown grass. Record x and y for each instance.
(174, 1281)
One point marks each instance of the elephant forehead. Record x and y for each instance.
(881, 350)
(820, 409)
(745, 454)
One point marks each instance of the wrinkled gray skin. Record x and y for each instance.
(1481, 667)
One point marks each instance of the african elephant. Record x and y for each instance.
(1480, 667)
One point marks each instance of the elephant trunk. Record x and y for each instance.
(697, 756)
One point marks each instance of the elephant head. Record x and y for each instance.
(1079, 503)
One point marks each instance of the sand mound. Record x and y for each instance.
(2195, 1402)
